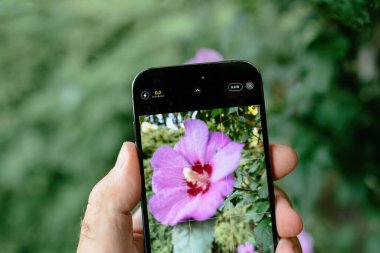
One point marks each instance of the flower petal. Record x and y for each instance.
(246, 248)
(306, 241)
(215, 143)
(170, 208)
(205, 205)
(177, 206)
(206, 55)
(226, 161)
(249, 246)
(193, 144)
(168, 167)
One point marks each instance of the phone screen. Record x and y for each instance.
(205, 179)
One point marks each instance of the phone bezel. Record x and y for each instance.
(177, 85)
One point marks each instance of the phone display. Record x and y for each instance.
(206, 174)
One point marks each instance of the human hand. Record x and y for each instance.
(109, 227)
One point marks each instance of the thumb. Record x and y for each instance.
(107, 224)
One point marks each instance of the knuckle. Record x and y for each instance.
(90, 222)
(99, 192)
(86, 231)
(87, 224)
(95, 195)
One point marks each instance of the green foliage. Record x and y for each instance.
(65, 70)
(162, 235)
(197, 238)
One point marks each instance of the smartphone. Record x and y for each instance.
(202, 141)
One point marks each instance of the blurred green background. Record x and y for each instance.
(65, 108)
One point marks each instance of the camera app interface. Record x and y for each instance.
(206, 182)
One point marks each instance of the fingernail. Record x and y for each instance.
(122, 157)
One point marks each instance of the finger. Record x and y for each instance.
(279, 192)
(138, 230)
(107, 225)
(137, 222)
(289, 222)
(291, 245)
(284, 160)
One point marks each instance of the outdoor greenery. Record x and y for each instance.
(65, 107)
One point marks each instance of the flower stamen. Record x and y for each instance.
(197, 178)
(193, 177)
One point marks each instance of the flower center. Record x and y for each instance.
(197, 178)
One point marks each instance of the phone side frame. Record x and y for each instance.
(143, 203)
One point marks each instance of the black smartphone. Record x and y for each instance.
(202, 140)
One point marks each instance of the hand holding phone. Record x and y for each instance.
(204, 155)
(107, 227)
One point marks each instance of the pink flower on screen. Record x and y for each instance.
(206, 55)
(246, 248)
(191, 180)
(307, 242)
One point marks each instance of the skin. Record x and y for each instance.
(109, 226)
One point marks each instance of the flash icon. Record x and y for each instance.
(145, 95)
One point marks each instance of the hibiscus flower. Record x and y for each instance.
(246, 248)
(205, 55)
(192, 180)
(306, 241)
